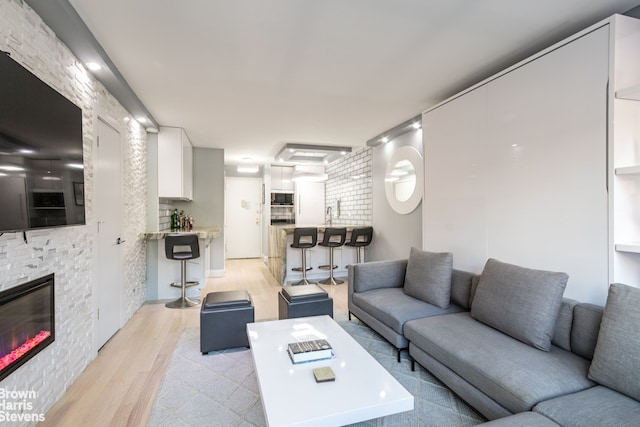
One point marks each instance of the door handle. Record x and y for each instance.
(119, 241)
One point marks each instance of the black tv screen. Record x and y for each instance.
(41, 161)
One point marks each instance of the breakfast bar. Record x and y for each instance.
(282, 257)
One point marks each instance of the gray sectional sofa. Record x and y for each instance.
(506, 341)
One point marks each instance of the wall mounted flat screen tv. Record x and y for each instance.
(41, 161)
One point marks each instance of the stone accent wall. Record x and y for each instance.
(69, 252)
(350, 182)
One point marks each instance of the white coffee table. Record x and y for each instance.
(362, 390)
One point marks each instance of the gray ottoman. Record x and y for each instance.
(303, 301)
(223, 320)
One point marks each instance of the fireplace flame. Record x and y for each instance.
(23, 349)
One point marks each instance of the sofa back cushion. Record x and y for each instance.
(615, 362)
(461, 282)
(521, 302)
(564, 323)
(585, 328)
(428, 277)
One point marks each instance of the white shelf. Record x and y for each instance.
(628, 247)
(632, 93)
(628, 170)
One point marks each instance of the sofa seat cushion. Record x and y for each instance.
(521, 302)
(597, 406)
(393, 307)
(514, 374)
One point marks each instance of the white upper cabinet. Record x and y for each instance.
(175, 164)
(281, 178)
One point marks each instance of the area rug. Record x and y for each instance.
(221, 389)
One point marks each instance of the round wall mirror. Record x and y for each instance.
(403, 180)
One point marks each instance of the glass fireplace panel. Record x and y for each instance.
(27, 322)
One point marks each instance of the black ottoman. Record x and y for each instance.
(303, 301)
(223, 320)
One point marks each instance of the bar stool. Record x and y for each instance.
(333, 238)
(304, 238)
(182, 247)
(360, 237)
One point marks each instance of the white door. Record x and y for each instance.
(243, 217)
(108, 196)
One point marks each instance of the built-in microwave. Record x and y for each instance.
(282, 199)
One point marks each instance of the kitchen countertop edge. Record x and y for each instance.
(212, 232)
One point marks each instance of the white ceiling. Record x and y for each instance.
(251, 75)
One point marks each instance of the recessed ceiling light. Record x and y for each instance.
(385, 140)
(11, 168)
(416, 125)
(93, 66)
(76, 165)
(247, 169)
(142, 120)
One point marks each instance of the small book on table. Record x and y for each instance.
(309, 351)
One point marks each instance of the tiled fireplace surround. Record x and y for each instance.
(69, 252)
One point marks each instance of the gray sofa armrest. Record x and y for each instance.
(375, 275)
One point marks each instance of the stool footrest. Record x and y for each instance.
(301, 269)
(186, 285)
(327, 267)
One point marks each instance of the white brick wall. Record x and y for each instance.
(350, 182)
(68, 252)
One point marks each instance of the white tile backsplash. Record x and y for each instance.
(350, 183)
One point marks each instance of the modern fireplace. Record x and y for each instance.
(27, 322)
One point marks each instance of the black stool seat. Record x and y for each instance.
(334, 237)
(360, 237)
(304, 301)
(304, 238)
(223, 320)
(182, 247)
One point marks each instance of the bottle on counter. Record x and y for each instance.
(182, 220)
(175, 224)
(190, 221)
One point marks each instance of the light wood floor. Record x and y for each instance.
(118, 388)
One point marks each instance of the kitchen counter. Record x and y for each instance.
(282, 257)
(288, 228)
(212, 232)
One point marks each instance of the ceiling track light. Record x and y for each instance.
(298, 153)
(413, 124)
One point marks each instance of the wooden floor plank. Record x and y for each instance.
(119, 387)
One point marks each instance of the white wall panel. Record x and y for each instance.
(516, 169)
(455, 203)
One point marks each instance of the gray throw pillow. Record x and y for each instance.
(521, 302)
(616, 360)
(428, 277)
